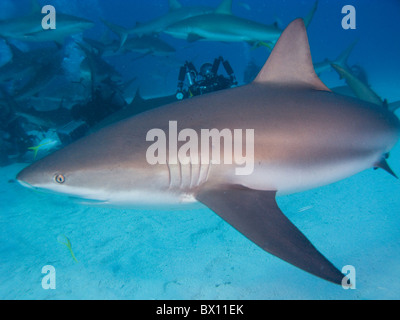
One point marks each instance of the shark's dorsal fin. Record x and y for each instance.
(16, 52)
(174, 5)
(224, 8)
(290, 62)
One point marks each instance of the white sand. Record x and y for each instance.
(193, 254)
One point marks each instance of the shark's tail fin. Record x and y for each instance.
(341, 60)
(394, 106)
(308, 18)
(120, 31)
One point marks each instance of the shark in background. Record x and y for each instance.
(176, 13)
(145, 45)
(341, 61)
(222, 25)
(305, 136)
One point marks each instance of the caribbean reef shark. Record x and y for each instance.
(222, 25)
(146, 45)
(305, 136)
(176, 13)
(361, 89)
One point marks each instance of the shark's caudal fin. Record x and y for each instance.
(290, 62)
(224, 8)
(120, 31)
(174, 5)
(257, 216)
(394, 106)
(310, 16)
(344, 56)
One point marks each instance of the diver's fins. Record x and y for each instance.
(257, 216)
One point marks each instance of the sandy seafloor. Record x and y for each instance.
(191, 253)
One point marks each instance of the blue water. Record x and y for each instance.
(191, 253)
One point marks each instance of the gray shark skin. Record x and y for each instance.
(222, 25)
(305, 136)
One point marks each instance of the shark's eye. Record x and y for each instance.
(59, 178)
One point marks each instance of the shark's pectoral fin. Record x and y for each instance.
(257, 216)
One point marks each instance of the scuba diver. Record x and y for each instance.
(205, 81)
(14, 141)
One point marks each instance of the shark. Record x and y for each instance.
(146, 45)
(341, 61)
(360, 89)
(222, 25)
(305, 136)
(26, 64)
(29, 27)
(176, 13)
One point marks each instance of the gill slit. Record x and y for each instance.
(169, 175)
(191, 173)
(199, 176)
(180, 174)
(208, 171)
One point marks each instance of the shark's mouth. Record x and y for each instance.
(75, 196)
(26, 185)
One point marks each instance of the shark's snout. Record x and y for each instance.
(25, 178)
(33, 176)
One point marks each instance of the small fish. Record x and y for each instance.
(61, 238)
(45, 145)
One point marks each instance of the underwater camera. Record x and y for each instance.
(72, 131)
